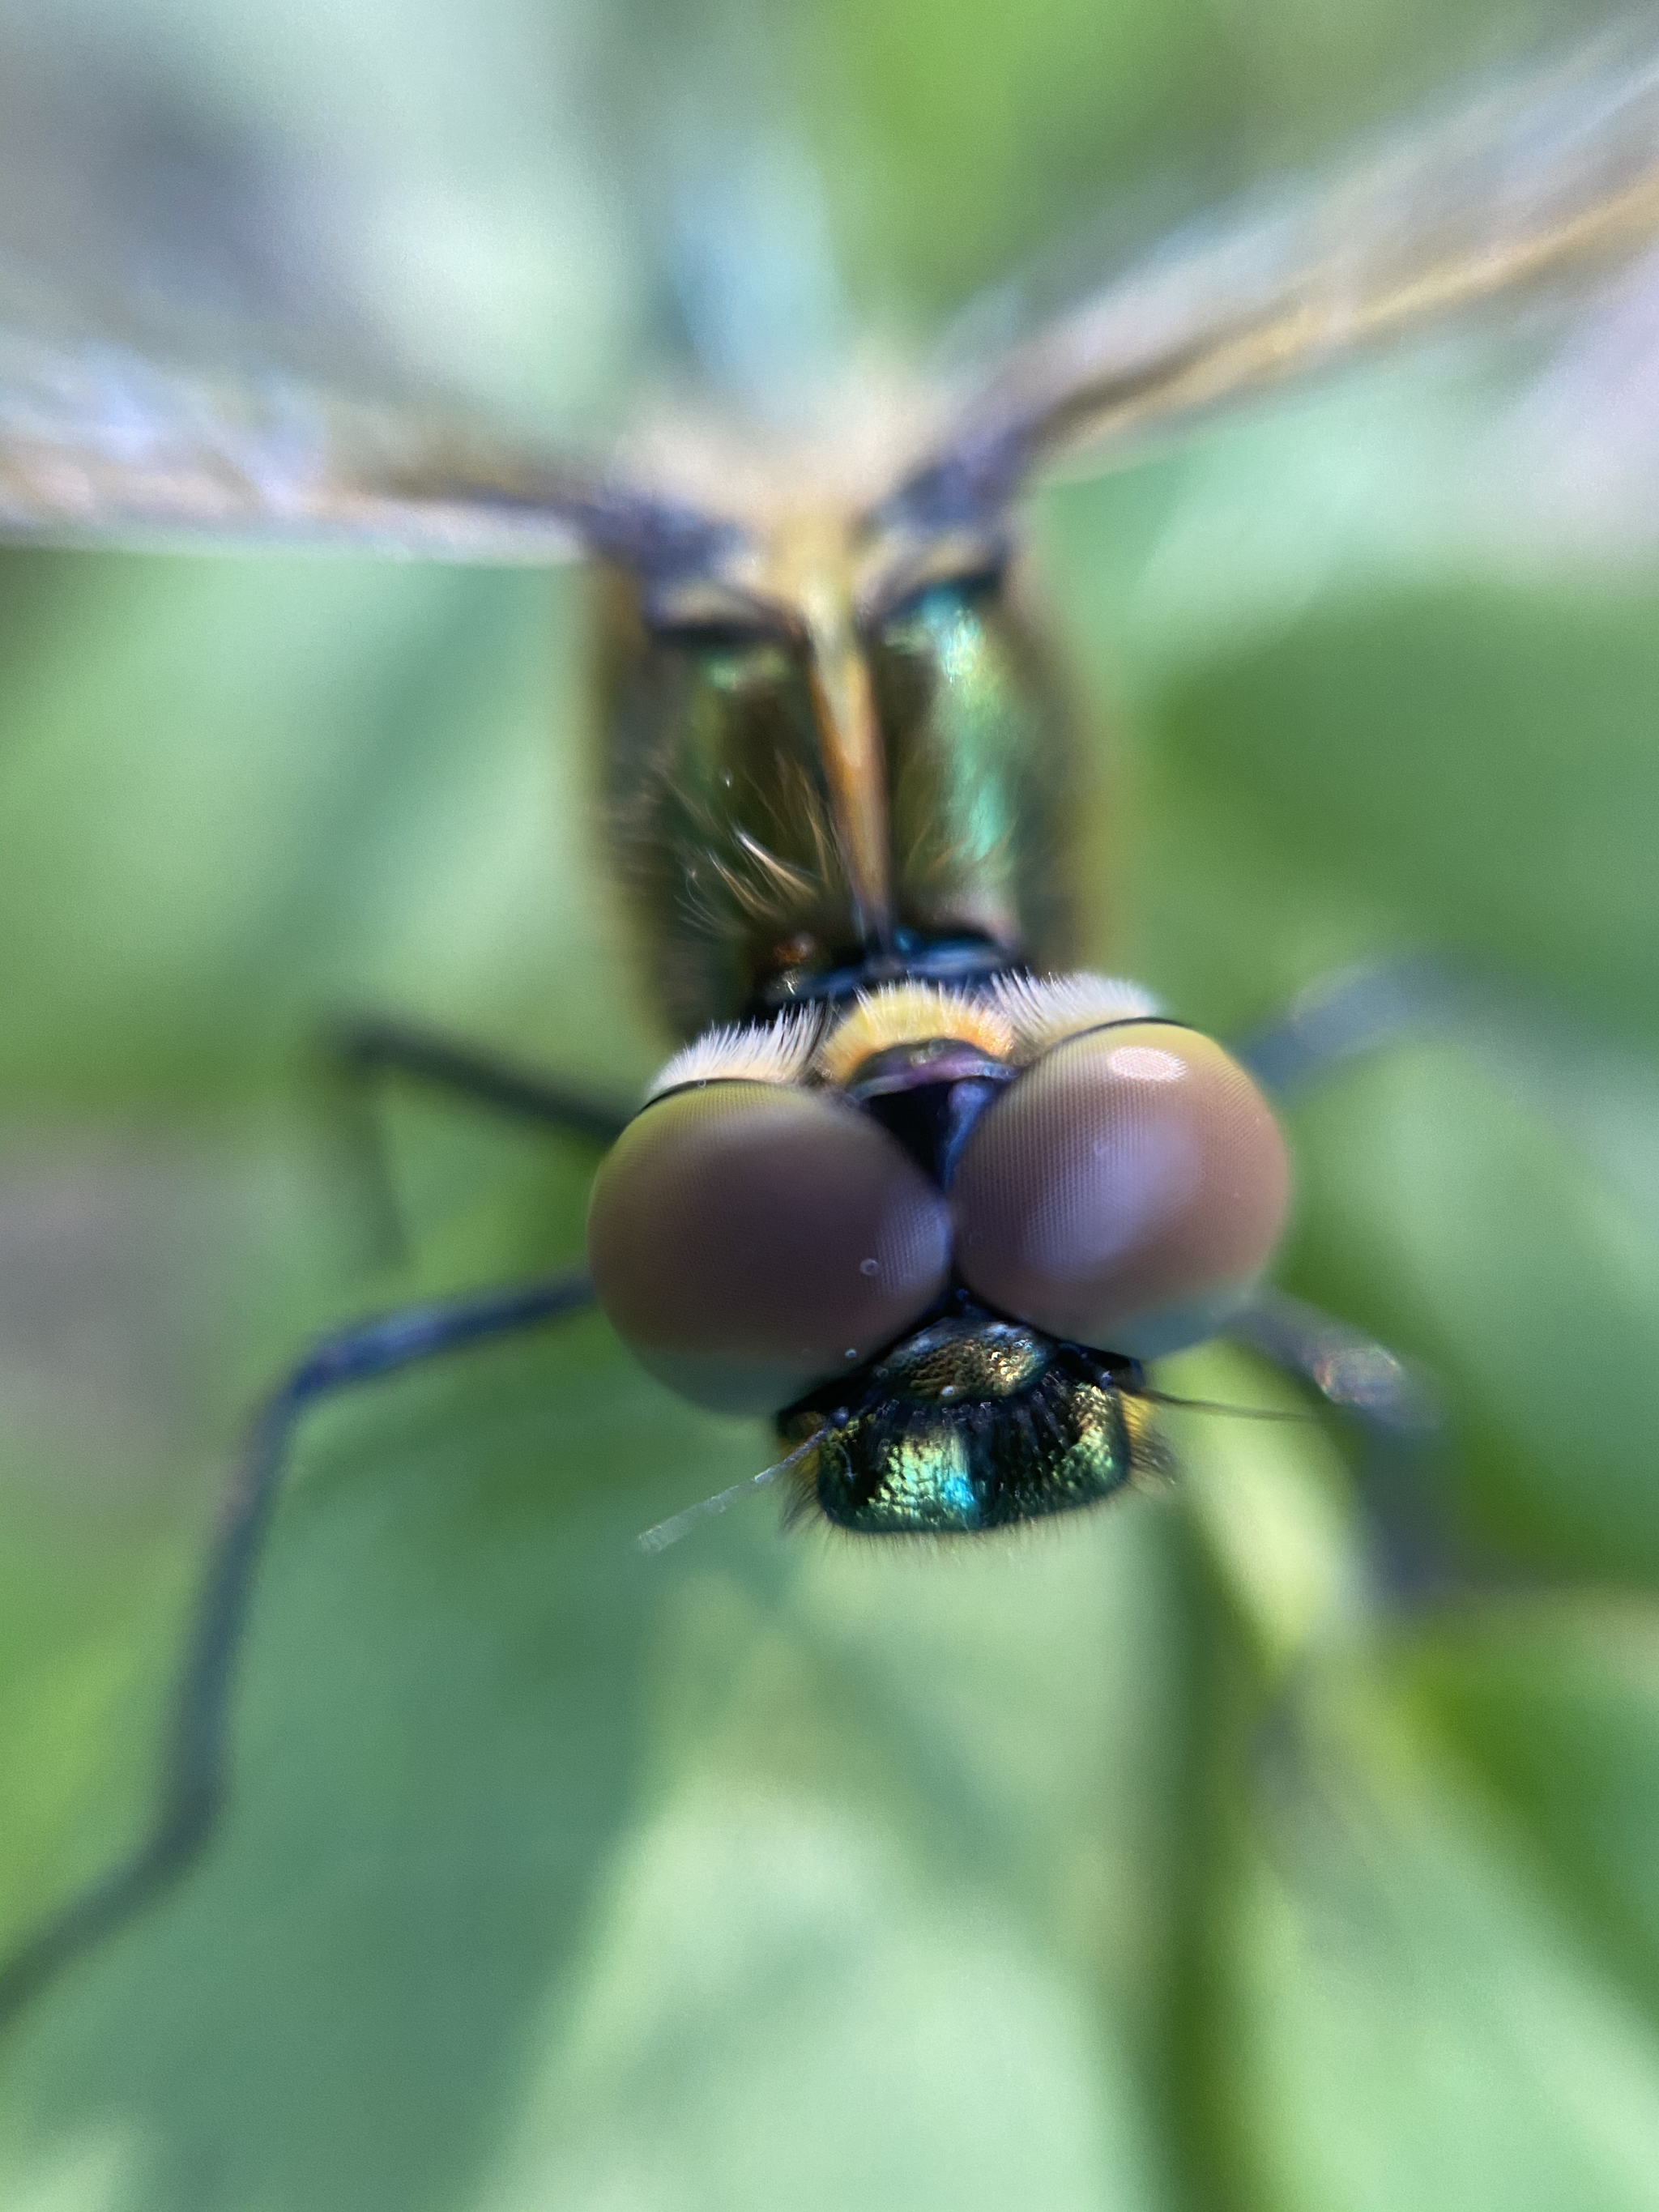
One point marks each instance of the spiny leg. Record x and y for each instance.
(193, 1783)
(362, 1050)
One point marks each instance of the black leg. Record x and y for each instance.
(193, 1783)
(357, 1052)
(1399, 1418)
(1291, 1758)
(1361, 1010)
(1536, 1047)
(362, 1049)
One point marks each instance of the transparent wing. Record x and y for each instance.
(190, 297)
(1519, 191)
(100, 443)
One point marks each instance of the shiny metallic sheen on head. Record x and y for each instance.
(973, 1424)
(837, 784)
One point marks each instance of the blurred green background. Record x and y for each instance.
(1145, 1863)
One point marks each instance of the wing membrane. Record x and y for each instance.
(1518, 190)
(187, 310)
(97, 442)
(100, 443)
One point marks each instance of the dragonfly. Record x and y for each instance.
(912, 1186)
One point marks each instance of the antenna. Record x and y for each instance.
(1216, 1405)
(664, 1532)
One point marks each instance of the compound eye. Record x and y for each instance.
(1124, 1192)
(748, 1240)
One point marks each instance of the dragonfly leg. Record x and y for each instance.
(361, 1051)
(1309, 1783)
(364, 1049)
(193, 1782)
(1362, 1010)
(1399, 1421)
(1540, 1050)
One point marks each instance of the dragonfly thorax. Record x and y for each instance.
(831, 765)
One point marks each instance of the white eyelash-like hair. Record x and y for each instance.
(1043, 1010)
(744, 1052)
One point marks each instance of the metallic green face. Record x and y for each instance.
(721, 817)
(974, 1424)
(730, 828)
(982, 772)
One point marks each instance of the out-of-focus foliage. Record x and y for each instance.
(1146, 1863)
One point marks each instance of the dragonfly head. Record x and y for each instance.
(803, 1212)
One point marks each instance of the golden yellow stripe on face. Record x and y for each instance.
(811, 568)
(911, 1013)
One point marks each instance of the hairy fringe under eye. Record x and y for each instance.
(744, 1052)
(1043, 1010)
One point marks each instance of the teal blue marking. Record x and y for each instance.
(958, 1492)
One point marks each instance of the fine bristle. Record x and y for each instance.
(1151, 1462)
(910, 1013)
(1043, 1010)
(753, 1052)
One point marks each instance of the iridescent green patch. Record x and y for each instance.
(974, 1424)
